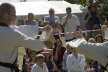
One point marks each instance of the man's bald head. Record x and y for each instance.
(8, 10)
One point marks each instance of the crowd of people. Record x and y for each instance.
(50, 35)
(59, 53)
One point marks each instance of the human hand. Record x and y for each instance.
(47, 28)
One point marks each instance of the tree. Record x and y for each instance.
(82, 2)
(102, 4)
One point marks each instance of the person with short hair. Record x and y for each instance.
(11, 39)
(99, 38)
(70, 23)
(30, 20)
(92, 20)
(53, 22)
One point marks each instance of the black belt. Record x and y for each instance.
(6, 64)
(106, 65)
(13, 67)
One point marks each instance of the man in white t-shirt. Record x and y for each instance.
(70, 23)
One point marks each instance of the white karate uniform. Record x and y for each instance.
(97, 51)
(10, 40)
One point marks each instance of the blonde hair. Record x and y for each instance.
(92, 40)
(39, 56)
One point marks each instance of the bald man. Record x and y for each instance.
(11, 39)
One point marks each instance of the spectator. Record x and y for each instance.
(58, 52)
(104, 26)
(92, 40)
(99, 38)
(54, 27)
(31, 61)
(90, 67)
(11, 39)
(50, 62)
(96, 66)
(75, 61)
(70, 23)
(92, 19)
(39, 65)
(30, 20)
(66, 53)
(53, 21)
(104, 29)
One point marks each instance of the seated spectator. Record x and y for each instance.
(104, 26)
(92, 40)
(50, 62)
(96, 66)
(30, 60)
(89, 67)
(99, 38)
(39, 65)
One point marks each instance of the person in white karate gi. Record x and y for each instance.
(97, 51)
(75, 61)
(11, 39)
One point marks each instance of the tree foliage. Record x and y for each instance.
(102, 4)
(82, 2)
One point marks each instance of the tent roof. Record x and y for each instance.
(42, 7)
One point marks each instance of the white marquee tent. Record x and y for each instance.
(42, 7)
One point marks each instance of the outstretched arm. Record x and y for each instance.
(82, 43)
(98, 51)
(29, 42)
